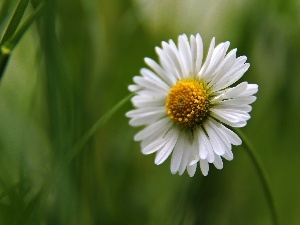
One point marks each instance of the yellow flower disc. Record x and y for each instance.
(188, 103)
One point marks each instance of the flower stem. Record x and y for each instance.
(76, 149)
(100, 122)
(261, 174)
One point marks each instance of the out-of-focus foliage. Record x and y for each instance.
(76, 62)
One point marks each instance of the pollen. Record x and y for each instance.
(188, 103)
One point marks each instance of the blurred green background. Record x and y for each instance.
(76, 62)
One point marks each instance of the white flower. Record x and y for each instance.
(185, 105)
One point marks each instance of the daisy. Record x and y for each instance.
(185, 106)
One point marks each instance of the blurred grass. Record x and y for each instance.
(76, 63)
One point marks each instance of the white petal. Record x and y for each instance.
(177, 155)
(194, 150)
(203, 151)
(217, 57)
(230, 135)
(151, 93)
(185, 53)
(208, 58)
(224, 67)
(238, 65)
(234, 114)
(148, 74)
(191, 169)
(223, 119)
(221, 136)
(251, 90)
(163, 124)
(241, 100)
(229, 106)
(168, 64)
(231, 78)
(195, 160)
(240, 61)
(146, 120)
(175, 58)
(144, 111)
(170, 80)
(164, 153)
(208, 147)
(235, 91)
(147, 101)
(204, 167)
(218, 162)
(214, 139)
(194, 155)
(199, 53)
(150, 85)
(185, 156)
(231, 115)
(154, 145)
(193, 45)
(145, 116)
(157, 136)
(134, 88)
(228, 155)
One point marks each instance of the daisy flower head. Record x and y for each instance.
(185, 104)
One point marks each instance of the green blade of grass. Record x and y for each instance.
(3, 11)
(15, 20)
(9, 43)
(4, 57)
(13, 40)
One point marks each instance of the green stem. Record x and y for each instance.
(100, 122)
(64, 162)
(15, 20)
(14, 39)
(12, 36)
(4, 57)
(261, 174)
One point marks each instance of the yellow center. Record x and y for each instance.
(188, 103)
